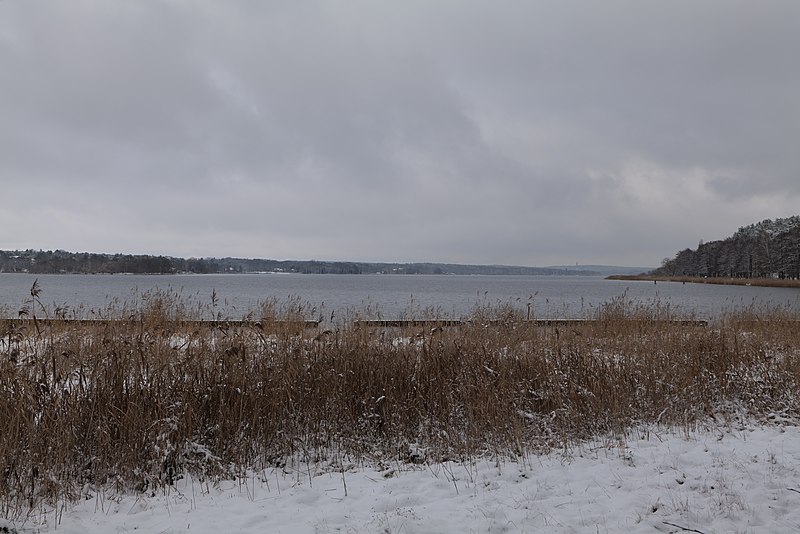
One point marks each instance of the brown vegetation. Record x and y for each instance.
(719, 280)
(136, 402)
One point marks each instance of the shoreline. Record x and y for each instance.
(759, 282)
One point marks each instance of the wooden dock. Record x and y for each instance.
(264, 324)
(524, 323)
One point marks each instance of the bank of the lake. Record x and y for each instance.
(727, 281)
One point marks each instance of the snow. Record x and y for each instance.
(725, 479)
(769, 227)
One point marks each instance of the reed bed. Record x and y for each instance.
(145, 395)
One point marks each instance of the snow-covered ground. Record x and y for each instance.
(744, 479)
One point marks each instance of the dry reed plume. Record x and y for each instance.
(146, 394)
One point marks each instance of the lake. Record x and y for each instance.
(386, 296)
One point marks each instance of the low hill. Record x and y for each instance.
(605, 270)
(60, 261)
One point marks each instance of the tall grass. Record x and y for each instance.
(146, 394)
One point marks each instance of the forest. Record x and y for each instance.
(768, 249)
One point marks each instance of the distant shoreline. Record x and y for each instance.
(760, 282)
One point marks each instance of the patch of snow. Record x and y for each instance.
(769, 227)
(718, 480)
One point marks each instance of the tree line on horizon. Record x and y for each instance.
(768, 249)
(63, 262)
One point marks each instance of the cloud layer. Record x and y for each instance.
(462, 131)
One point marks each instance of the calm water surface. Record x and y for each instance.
(387, 296)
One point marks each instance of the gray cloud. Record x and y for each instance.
(520, 132)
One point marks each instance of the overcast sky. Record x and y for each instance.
(511, 132)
